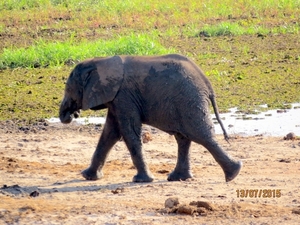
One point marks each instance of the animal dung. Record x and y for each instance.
(171, 202)
(194, 208)
(146, 136)
(203, 204)
(186, 209)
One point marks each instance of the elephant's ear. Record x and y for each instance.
(101, 84)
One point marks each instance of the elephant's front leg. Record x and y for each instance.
(131, 132)
(134, 145)
(182, 170)
(109, 137)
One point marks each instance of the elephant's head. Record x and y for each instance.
(91, 85)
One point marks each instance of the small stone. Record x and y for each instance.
(34, 194)
(281, 111)
(285, 160)
(118, 190)
(296, 211)
(163, 171)
(290, 136)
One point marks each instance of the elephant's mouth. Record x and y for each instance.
(76, 114)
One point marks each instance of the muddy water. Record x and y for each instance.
(269, 123)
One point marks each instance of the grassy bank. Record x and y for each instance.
(50, 54)
(249, 50)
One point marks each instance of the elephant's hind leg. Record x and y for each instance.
(230, 166)
(201, 131)
(182, 170)
(109, 137)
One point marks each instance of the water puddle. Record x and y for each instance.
(268, 123)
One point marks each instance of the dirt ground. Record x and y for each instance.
(40, 181)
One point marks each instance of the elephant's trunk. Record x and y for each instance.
(66, 117)
(66, 114)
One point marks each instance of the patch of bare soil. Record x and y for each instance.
(40, 181)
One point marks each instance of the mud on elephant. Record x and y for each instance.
(168, 92)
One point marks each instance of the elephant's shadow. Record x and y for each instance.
(68, 186)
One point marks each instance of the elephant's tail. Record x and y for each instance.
(215, 107)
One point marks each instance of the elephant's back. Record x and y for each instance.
(171, 91)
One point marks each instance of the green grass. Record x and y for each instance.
(44, 54)
(208, 8)
(234, 29)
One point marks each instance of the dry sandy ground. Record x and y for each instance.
(41, 183)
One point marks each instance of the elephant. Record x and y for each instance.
(169, 92)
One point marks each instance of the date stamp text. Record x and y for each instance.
(258, 193)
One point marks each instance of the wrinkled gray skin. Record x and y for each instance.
(168, 92)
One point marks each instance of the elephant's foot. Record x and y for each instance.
(91, 175)
(143, 178)
(233, 171)
(178, 176)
